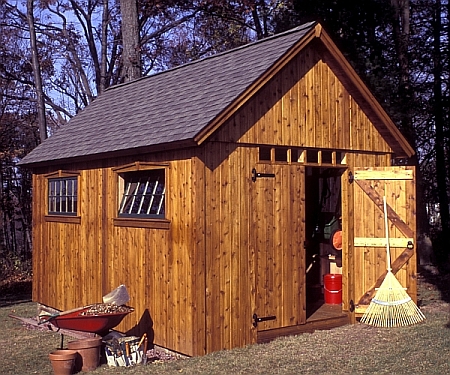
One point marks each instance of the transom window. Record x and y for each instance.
(63, 196)
(144, 194)
(303, 156)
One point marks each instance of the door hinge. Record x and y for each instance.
(256, 175)
(256, 320)
(351, 178)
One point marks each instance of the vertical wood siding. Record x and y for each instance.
(162, 269)
(229, 256)
(305, 105)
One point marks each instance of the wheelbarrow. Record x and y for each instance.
(94, 318)
(79, 320)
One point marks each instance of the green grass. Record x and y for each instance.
(357, 349)
(354, 349)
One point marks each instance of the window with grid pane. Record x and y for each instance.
(144, 194)
(63, 196)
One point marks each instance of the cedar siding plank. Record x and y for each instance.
(198, 261)
(247, 244)
(236, 197)
(213, 338)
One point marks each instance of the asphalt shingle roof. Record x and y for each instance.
(171, 106)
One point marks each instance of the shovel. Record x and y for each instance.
(118, 296)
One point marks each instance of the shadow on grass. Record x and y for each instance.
(15, 292)
(439, 280)
(435, 286)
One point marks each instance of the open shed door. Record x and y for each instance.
(278, 236)
(369, 263)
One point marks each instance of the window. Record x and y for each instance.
(300, 155)
(265, 153)
(326, 157)
(143, 194)
(312, 156)
(63, 196)
(280, 154)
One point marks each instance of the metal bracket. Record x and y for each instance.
(351, 178)
(256, 175)
(257, 320)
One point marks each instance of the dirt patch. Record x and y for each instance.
(159, 355)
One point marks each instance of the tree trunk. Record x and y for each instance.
(130, 39)
(401, 28)
(37, 72)
(260, 21)
(104, 48)
(401, 39)
(442, 252)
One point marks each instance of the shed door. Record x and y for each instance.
(277, 238)
(370, 185)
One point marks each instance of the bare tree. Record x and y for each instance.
(131, 54)
(37, 71)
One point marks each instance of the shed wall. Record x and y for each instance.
(76, 263)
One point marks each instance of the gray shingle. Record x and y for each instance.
(171, 106)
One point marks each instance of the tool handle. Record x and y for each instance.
(386, 226)
(142, 340)
(145, 351)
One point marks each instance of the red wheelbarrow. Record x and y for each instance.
(87, 319)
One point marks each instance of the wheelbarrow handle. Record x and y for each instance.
(62, 313)
(50, 317)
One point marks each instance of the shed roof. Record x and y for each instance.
(183, 104)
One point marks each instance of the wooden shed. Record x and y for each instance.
(213, 191)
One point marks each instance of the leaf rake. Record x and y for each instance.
(391, 306)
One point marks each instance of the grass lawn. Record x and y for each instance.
(354, 349)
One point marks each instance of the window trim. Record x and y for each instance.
(139, 222)
(62, 217)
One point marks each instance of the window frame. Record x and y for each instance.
(140, 221)
(62, 217)
(302, 155)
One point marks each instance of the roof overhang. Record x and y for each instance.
(92, 158)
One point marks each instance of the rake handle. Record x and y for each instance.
(386, 227)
